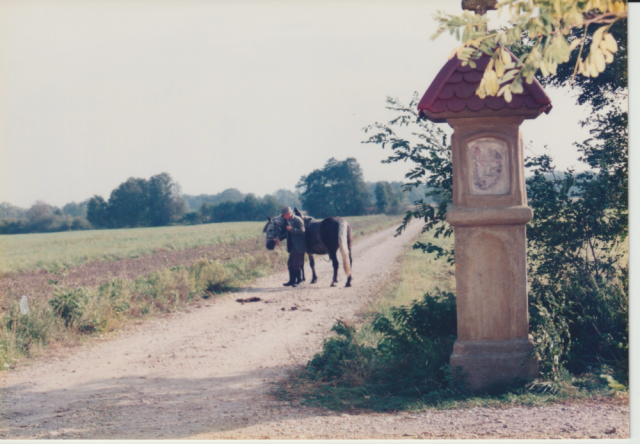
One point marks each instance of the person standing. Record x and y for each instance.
(296, 246)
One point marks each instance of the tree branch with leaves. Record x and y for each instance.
(426, 146)
(546, 26)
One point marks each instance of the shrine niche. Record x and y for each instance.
(488, 160)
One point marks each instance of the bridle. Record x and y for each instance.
(274, 231)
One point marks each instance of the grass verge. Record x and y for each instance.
(77, 313)
(397, 358)
(74, 314)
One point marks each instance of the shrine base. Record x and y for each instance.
(485, 365)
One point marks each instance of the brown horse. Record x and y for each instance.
(323, 237)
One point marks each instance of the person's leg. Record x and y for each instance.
(296, 265)
(292, 276)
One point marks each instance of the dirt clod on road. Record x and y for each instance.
(207, 373)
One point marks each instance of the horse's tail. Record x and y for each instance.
(344, 244)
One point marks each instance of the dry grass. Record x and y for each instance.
(73, 314)
(419, 273)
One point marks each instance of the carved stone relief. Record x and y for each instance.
(488, 161)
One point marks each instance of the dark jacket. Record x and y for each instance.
(296, 237)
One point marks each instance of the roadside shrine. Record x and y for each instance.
(489, 216)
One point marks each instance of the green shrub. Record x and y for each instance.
(408, 365)
(84, 310)
(33, 329)
(69, 303)
(169, 285)
(343, 358)
(418, 340)
(116, 296)
(209, 275)
(582, 324)
(22, 334)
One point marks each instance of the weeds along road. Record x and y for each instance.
(207, 373)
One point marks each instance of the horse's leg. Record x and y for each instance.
(350, 262)
(334, 259)
(312, 263)
(302, 268)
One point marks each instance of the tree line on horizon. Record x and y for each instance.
(337, 189)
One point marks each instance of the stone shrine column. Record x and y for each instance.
(489, 216)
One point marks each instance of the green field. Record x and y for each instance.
(52, 251)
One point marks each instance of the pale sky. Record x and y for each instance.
(219, 94)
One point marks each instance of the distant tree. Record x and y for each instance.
(230, 194)
(338, 189)
(316, 196)
(270, 206)
(382, 197)
(398, 187)
(251, 208)
(248, 208)
(40, 210)
(40, 218)
(139, 203)
(288, 198)
(387, 198)
(128, 204)
(76, 209)
(192, 218)
(222, 212)
(97, 212)
(165, 204)
(8, 211)
(409, 194)
(397, 198)
(80, 223)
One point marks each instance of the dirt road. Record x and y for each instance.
(206, 373)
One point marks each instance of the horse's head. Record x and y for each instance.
(275, 229)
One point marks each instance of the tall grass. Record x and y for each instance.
(76, 313)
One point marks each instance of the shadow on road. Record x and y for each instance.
(137, 407)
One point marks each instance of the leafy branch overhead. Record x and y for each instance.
(547, 27)
(425, 145)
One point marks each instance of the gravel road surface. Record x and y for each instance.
(206, 373)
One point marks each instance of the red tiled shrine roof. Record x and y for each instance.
(453, 94)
